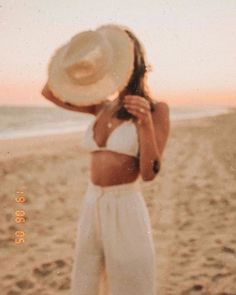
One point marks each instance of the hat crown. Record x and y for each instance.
(92, 66)
(87, 58)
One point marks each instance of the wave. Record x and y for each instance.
(28, 121)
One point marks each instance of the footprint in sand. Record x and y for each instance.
(60, 263)
(12, 228)
(25, 284)
(62, 284)
(220, 276)
(228, 250)
(48, 267)
(8, 277)
(13, 292)
(233, 241)
(195, 289)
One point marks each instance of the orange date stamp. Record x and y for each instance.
(20, 217)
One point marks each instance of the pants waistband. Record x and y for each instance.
(124, 187)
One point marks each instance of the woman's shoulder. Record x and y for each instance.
(161, 111)
(161, 106)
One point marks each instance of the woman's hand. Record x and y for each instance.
(139, 107)
(47, 93)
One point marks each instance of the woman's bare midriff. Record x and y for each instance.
(112, 168)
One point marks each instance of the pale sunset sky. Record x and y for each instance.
(191, 45)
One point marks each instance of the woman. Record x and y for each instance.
(126, 140)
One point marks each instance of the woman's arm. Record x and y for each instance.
(153, 132)
(153, 136)
(46, 92)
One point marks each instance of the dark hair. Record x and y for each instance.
(136, 84)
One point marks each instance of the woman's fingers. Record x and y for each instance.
(137, 113)
(139, 108)
(135, 101)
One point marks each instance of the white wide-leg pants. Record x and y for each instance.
(114, 253)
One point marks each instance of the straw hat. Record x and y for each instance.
(93, 66)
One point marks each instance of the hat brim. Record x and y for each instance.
(116, 78)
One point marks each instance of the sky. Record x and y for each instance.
(191, 45)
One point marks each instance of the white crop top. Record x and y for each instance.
(123, 139)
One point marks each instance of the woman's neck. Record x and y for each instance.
(116, 106)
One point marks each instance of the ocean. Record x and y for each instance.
(27, 121)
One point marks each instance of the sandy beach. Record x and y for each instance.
(192, 206)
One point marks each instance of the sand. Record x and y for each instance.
(192, 206)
